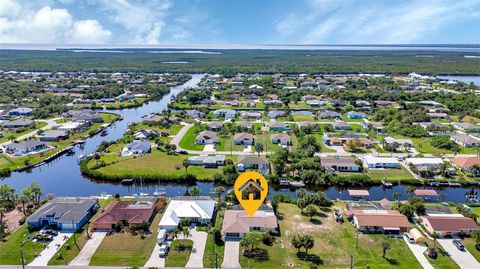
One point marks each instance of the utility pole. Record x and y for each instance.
(74, 239)
(22, 260)
(351, 262)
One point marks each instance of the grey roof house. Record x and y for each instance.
(25, 147)
(19, 123)
(137, 147)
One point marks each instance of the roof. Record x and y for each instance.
(130, 211)
(25, 145)
(343, 161)
(420, 161)
(54, 133)
(277, 124)
(358, 193)
(243, 136)
(465, 162)
(465, 138)
(451, 223)
(207, 134)
(238, 221)
(246, 124)
(280, 136)
(139, 145)
(252, 160)
(372, 159)
(389, 220)
(426, 193)
(64, 209)
(187, 207)
(19, 122)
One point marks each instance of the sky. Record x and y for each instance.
(156, 22)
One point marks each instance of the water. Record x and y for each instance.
(464, 79)
(62, 177)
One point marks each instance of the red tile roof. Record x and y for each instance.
(237, 221)
(426, 193)
(383, 220)
(465, 162)
(358, 193)
(125, 211)
(451, 224)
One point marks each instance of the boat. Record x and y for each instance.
(127, 181)
(283, 182)
(144, 194)
(105, 195)
(454, 185)
(104, 133)
(80, 158)
(159, 192)
(386, 184)
(296, 184)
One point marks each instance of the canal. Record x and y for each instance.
(62, 177)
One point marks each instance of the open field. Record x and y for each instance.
(10, 249)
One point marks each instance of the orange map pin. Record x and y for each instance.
(251, 189)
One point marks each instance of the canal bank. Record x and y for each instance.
(62, 176)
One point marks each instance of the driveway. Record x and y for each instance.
(231, 255)
(209, 148)
(155, 259)
(463, 258)
(418, 251)
(89, 249)
(51, 249)
(199, 242)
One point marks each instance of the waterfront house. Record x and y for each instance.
(73, 126)
(237, 223)
(246, 162)
(194, 114)
(207, 161)
(278, 126)
(21, 111)
(137, 147)
(140, 210)
(65, 214)
(53, 135)
(425, 164)
(356, 115)
(206, 138)
(245, 139)
(466, 140)
(193, 209)
(341, 125)
(329, 115)
(225, 113)
(372, 162)
(18, 123)
(272, 102)
(466, 164)
(144, 134)
(251, 115)
(340, 164)
(26, 147)
(83, 116)
(449, 224)
(281, 139)
(275, 114)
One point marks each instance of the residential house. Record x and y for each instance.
(194, 209)
(66, 214)
(206, 138)
(275, 114)
(466, 127)
(362, 103)
(329, 115)
(278, 126)
(214, 126)
(207, 161)
(251, 103)
(53, 135)
(195, 114)
(372, 162)
(251, 115)
(437, 115)
(316, 103)
(466, 140)
(430, 103)
(272, 102)
(466, 164)
(356, 115)
(225, 113)
(337, 103)
(382, 103)
(18, 123)
(26, 147)
(73, 126)
(245, 139)
(144, 134)
(83, 116)
(246, 125)
(340, 164)
(449, 224)
(137, 147)
(405, 144)
(21, 111)
(140, 210)
(389, 222)
(309, 97)
(246, 162)
(425, 164)
(377, 126)
(237, 223)
(281, 139)
(271, 97)
(341, 125)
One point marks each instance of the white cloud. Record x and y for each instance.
(23, 23)
(88, 32)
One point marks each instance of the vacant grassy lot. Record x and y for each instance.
(124, 249)
(389, 174)
(10, 249)
(188, 141)
(177, 257)
(211, 246)
(334, 243)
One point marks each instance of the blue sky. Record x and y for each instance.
(130, 22)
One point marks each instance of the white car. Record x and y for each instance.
(164, 250)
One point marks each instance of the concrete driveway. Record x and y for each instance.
(51, 249)
(199, 241)
(209, 148)
(463, 258)
(155, 259)
(89, 249)
(231, 255)
(418, 250)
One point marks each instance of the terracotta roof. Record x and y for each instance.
(237, 221)
(426, 192)
(358, 193)
(466, 162)
(454, 224)
(382, 220)
(133, 213)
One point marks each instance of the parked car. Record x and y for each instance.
(409, 238)
(164, 248)
(184, 152)
(458, 244)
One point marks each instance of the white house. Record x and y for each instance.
(136, 148)
(206, 138)
(195, 209)
(370, 161)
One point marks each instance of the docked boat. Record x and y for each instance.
(80, 158)
(159, 192)
(284, 183)
(127, 181)
(386, 184)
(296, 184)
(104, 133)
(105, 195)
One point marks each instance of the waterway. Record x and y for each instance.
(62, 177)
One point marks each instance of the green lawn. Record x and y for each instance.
(177, 257)
(10, 249)
(7, 133)
(226, 144)
(302, 117)
(124, 249)
(188, 141)
(389, 174)
(334, 243)
(213, 247)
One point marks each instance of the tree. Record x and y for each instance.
(301, 203)
(219, 190)
(396, 196)
(296, 242)
(185, 164)
(36, 191)
(385, 247)
(186, 232)
(251, 240)
(310, 211)
(195, 191)
(410, 190)
(259, 148)
(435, 236)
(441, 196)
(307, 242)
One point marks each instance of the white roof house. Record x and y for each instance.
(193, 208)
(424, 161)
(370, 161)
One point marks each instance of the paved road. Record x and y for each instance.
(199, 242)
(463, 258)
(155, 260)
(89, 249)
(231, 255)
(418, 250)
(51, 249)
(50, 124)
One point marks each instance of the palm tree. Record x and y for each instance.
(185, 164)
(301, 203)
(441, 196)
(219, 190)
(410, 190)
(3, 210)
(308, 242)
(195, 191)
(396, 196)
(186, 232)
(385, 247)
(296, 242)
(435, 236)
(310, 211)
